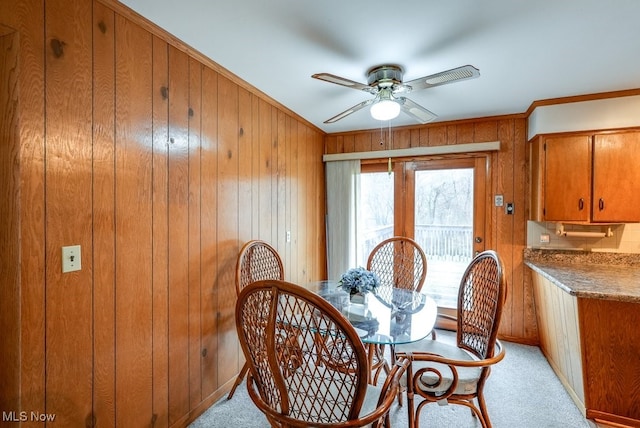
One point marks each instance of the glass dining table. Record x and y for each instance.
(385, 316)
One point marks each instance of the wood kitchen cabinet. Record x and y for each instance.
(558, 329)
(616, 186)
(590, 342)
(586, 177)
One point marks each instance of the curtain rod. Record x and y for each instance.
(415, 151)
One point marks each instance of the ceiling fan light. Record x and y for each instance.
(385, 110)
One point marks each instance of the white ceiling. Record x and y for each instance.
(526, 50)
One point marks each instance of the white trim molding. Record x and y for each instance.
(608, 113)
(415, 151)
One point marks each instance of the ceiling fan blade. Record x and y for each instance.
(331, 78)
(454, 75)
(348, 111)
(415, 110)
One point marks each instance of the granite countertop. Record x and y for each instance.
(610, 276)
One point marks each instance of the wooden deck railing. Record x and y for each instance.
(449, 243)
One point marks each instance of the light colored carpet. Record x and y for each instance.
(522, 392)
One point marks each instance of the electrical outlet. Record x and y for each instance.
(498, 200)
(288, 236)
(544, 238)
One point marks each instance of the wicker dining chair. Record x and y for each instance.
(399, 262)
(456, 373)
(308, 367)
(257, 260)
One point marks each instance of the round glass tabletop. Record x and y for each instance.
(386, 316)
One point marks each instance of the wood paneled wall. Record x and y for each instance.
(9, 230)
(160, 165)
(507, 176)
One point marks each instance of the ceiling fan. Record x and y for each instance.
(385, 82)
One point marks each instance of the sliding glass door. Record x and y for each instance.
(439, 203)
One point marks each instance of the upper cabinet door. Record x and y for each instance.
(567, 181)
(616, 180)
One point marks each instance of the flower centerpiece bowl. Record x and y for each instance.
(358, 281)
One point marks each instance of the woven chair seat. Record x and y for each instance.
(468, 377)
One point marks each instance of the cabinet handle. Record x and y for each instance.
(581, 204)
(601, 204)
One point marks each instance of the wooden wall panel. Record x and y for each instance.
(465, 133)
(401, 139)
(437, 136)
(103, 205)
(9, 226)
(415, 137)
(178, 234)
(504, 224)
(362, 142)
(280, 181)
(311, 205)
(195, 221)
(133, 225)
(245, 176)
(245, 173)
(452, 133)
(160, 194)
(423, 137)
(274, 178)
(291, 271)
(265, 171)
(160, 165)
(485, 130)
(227, 223)
(69, 330)
(286, 252)
(304, 206)
(507, 176)
(256, 162)
(209, 237)
(348, 143)
(27, 18)
(331, 144)
(527, 326)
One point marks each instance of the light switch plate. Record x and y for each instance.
(71, 258)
